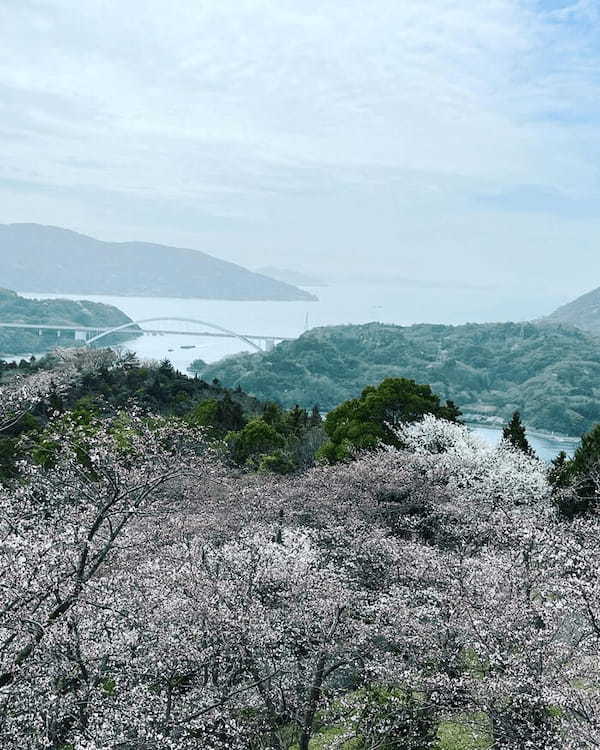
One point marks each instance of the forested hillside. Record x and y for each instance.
(551, 374)
(250, 434)
(17, 309)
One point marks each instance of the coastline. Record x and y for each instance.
(148, 295)
(497, 423)
(555, 436)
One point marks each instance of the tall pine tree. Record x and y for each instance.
(515, 433)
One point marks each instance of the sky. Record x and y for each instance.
(444, 141)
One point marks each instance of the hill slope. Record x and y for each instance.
(584, 312)
(16, 309)
(550, 373)
(37, 258)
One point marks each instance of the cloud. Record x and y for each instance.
(303, 126)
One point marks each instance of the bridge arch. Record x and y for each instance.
(214, 326)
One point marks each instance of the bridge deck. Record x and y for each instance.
(144, 331)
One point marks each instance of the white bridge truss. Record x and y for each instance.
(90, 335)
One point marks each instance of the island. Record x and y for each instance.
(35, 258)
(59, 312)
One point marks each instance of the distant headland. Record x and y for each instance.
(36, 258)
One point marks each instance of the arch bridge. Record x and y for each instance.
(89, 335)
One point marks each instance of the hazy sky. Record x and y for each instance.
(446, 139)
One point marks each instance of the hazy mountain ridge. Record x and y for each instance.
(291, 276)
(60, 312)
(583, 312)
(36, 258)
(551, 373)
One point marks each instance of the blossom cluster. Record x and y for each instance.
(152, 599)
(20, 394)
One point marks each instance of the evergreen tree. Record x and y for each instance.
(272, 414)
(577, 481)
(166, 367)
(257, 439)
(219, 415)
(364, 423)
(297, 419)
(453, 413)
(315, 416)
(516, 435)
(558, 474)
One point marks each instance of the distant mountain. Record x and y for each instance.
(60, 312)
(584, 312)
(291, 277)
(37, 258)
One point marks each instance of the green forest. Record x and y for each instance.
(250, 434)
(550, 373)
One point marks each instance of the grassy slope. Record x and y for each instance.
(452, 735)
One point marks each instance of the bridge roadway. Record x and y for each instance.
(98, 332)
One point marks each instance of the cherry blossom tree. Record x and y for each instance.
(64, 524)
(151, 598)
(20, 394)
